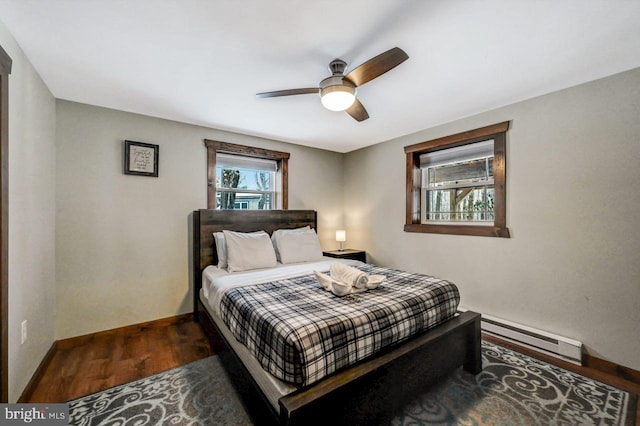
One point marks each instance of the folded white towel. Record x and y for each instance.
(336, 287)
(342, 288)
(324, 280)
(348, 275)
(374, 281)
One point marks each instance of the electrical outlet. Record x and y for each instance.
(23, 332)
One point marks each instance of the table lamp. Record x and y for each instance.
(341, 237)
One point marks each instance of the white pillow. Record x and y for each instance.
(247, 251)
(299, 247)
(221, 249)
(279, 232)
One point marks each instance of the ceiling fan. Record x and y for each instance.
(338, 92)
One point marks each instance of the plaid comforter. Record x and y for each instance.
(301, 333)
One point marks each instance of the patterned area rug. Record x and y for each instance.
(513, 389)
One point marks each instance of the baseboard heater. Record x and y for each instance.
(551, 344)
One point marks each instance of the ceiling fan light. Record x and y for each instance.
(338, 98)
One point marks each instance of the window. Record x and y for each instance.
(457, 184)
(241, 205)
(245, 183)
(247, 178)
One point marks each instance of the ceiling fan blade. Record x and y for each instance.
(288, 92)
(357, 111)
(377, 66)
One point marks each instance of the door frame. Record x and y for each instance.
(5, 70)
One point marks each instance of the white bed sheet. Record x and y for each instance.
(216, 281)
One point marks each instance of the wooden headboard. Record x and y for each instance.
(204, 223)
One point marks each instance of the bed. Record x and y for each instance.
(422, 358)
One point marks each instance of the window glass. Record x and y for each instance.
(467, 205)
(457, 187)
(229, 200)
(230, 178)
(461, 173)
(244, 183)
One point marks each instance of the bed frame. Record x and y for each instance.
(424, 358)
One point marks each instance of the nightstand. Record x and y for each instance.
(347, 254)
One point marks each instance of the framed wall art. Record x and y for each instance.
(141, 159)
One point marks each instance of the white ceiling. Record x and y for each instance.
(202, 61)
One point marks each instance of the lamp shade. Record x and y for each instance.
(337, 100)
(341, 235)
(337, 93)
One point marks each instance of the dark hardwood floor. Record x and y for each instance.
(88, 364)
(83, 365)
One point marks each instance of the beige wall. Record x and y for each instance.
(122, 240)
(572, 266)
(32, 171)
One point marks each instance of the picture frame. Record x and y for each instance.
(141, 159)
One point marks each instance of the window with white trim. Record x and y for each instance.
(246, 183)
(458, 186)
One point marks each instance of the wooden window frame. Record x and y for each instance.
(497, 132)
(215, 147)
